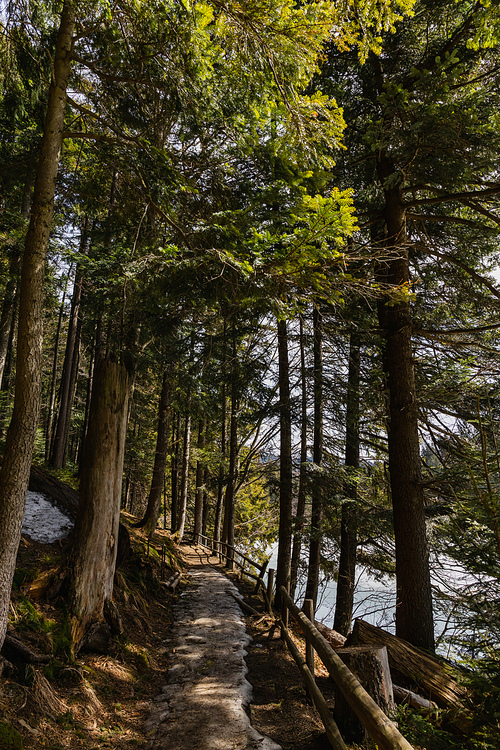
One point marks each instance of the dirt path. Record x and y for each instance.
(202, 707)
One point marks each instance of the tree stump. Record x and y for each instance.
(371, 666)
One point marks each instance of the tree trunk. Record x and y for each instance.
(174, 473)
(348, 529)
(301, 494)
(223, 439)
(11, 296)
(317, 501)
(414, 621)
(70, 366)
(232, 480)
(186, 452)
(6, 390)
(49, 427)
(92, 565)
(14, 475)
(206, 505)
(95, 350)
(200, 475)
(8, 308)
(285, 521)
(150, 519)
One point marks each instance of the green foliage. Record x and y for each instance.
(29, 618)
(484, 682)
(10, 739)
(425, 732)
(256, 523)
(21, 576)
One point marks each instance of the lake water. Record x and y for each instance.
(375, 599)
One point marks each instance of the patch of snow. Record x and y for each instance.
(43, 522)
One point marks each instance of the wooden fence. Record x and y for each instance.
(232, 556)
(380, 728)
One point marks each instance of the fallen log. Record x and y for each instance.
(13, 649)
(408, 697)
(336, 640)
(172, 581)
(424, 670)
(244, 606)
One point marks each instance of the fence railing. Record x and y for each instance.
(380, 728)
(233, 556)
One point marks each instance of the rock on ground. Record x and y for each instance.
(202, 707)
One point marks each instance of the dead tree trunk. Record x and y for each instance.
(93, 558)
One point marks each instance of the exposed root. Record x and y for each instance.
(93, 704)
(45, 699)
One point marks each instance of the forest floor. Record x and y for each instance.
(102, 700)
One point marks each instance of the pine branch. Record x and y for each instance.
(448, 220)
(465, 267)
(444, 197)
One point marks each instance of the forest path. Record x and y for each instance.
(203, 704)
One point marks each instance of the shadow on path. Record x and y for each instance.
(202, 707)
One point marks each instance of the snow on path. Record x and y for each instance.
(203, 704)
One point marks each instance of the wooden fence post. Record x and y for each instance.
(332, 731)
(378, 725)
(261, 576)
(270, 584)
(284, 613)
(309, 613)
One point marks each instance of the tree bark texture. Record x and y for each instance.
(414, 619)
(21, 434)
(150, 519)
(285, 478)
(93, 559)
(317, 500)
(223, 440)
(183, 498)
(348, 528)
